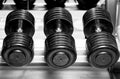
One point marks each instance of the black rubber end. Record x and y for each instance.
(87, 4)
(55, 3)
(17, 56)
(103, 58)
(60, 58)
(17, 49)
(12, 22)
(55, 16)
(24, 4)
(97, 17)
(102, 50)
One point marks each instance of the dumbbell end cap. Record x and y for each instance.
(103, 58)
(17, 56)
(60, 58)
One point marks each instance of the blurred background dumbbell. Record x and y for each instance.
(114, 71)
(102, 47)
(55, 3)
(60, 51)
(1, 3)
(24, 4)
(87, 4)
(18, 44)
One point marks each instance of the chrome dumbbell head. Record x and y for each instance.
(102, 46)
(60, 50)
(60, 46)
(58, 20)
(18, 44)
(97, 20)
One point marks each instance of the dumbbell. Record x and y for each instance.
(17, 47)
(114, 71)
(114, 75)
(87, 4)
(1, 3)
(24, 4)
(115, 68)
(60, 51)
(101, 44)
(55, 3)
